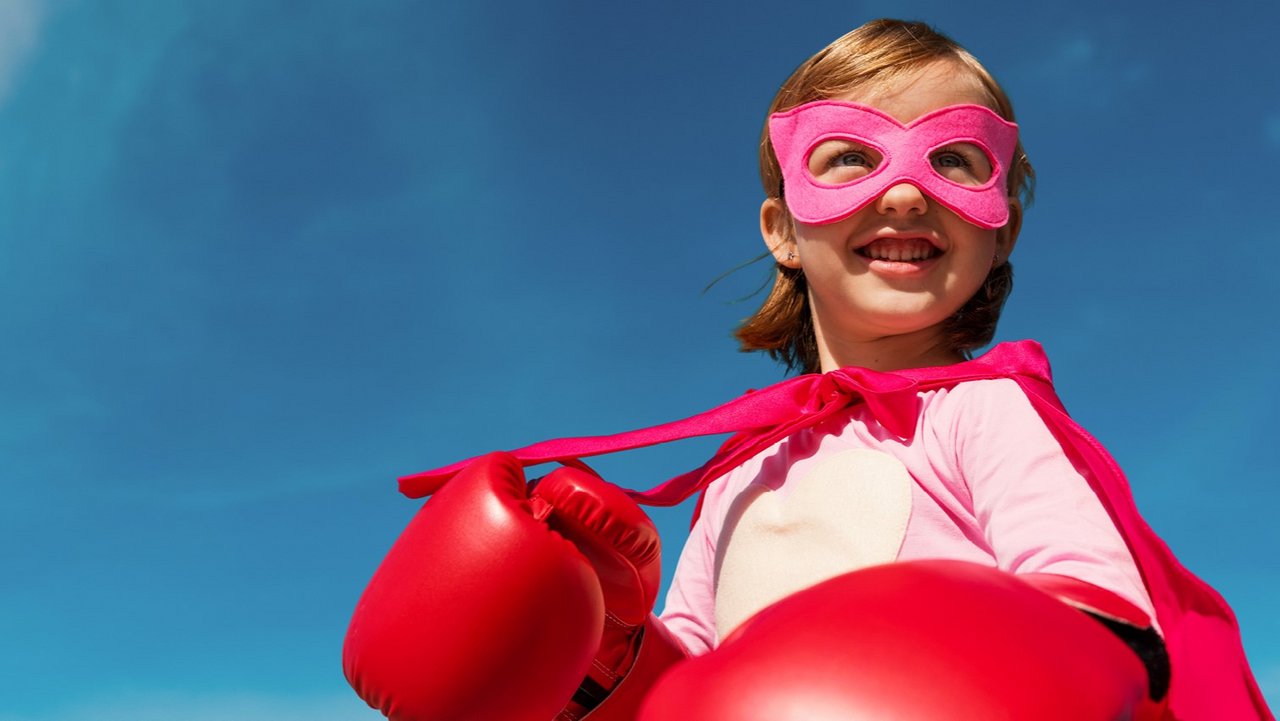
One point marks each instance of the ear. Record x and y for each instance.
(778, 233)
(1007, 235)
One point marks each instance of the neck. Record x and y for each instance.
(919, 349)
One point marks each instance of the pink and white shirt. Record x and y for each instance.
(981, 480)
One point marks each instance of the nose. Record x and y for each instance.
(902, 198)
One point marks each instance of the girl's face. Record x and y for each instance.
(890, 275)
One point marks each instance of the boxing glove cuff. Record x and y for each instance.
(659, 651)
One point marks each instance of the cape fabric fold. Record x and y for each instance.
(1211, 679)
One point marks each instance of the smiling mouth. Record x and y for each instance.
(900, 250)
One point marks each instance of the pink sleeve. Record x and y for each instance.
(691, 602)
(1037, 512)
(690, 609)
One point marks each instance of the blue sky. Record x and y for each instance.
(259, 258)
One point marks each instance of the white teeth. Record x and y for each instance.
(899, 249)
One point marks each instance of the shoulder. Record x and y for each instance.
(985, 399)
(980, 416)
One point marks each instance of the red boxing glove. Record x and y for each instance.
(510, 602)
(479, 611)
(1128, 622)
(911, 641)
(624, 549)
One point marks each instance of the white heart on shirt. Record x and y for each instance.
(849, 512)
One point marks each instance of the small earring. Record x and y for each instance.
(791, 255)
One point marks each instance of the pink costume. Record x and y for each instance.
(981, 479)
(1211, 676)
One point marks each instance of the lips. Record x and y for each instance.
(899, 250)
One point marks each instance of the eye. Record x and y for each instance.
(962, 163)
(851, 158)
(840, 161)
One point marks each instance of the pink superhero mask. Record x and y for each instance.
(837, 157)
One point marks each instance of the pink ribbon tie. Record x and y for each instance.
(760, 418)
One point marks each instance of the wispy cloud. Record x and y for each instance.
(20, 22)
(1090, 67)
(1073, 53)
(1271, 130)
(164, 706)
(1269, 682)
(1064, 57)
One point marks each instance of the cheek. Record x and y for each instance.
(978, 245)
(822, 248)
(975, 255)
(985, 250)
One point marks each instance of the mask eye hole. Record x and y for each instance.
(962, 163)
(841, 160)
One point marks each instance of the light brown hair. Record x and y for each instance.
(873, 54)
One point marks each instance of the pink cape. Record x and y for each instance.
(1211, 679)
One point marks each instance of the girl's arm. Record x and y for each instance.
(1039, 514)
(689, 612)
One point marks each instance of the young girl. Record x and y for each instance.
(895, 186)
